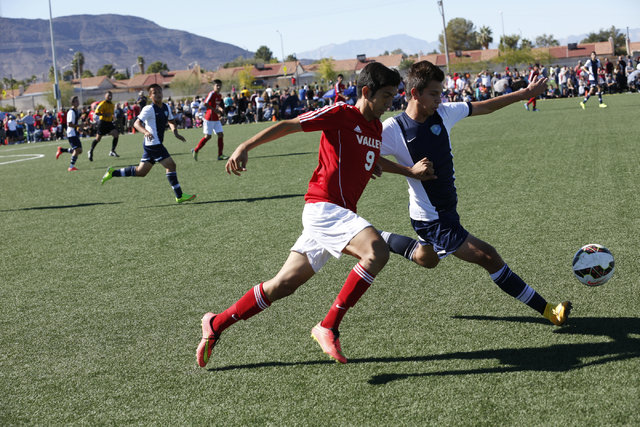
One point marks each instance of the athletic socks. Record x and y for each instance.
(128, 171)
(173, 180)
(586, 98)
(401, 245)
(220, 145)
(356, 285)
(74, 159)
(599, 96)
(201, 144)
(114, 144)
(513, 285)
(93, 144)
(252, 303)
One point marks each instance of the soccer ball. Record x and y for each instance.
(593, 265)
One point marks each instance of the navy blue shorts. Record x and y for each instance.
(446, 237)
(154, 153)
(75, 143)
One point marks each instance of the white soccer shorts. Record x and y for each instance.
(328, 229)
(211, 127)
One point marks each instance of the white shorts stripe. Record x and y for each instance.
(256, 292)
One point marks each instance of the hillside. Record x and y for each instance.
(103, 39)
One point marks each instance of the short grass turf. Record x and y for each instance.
(103, 287)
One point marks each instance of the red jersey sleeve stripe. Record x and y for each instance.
(310, 115)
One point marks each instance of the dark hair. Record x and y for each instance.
(108, 92)
(218, 81)
(74, 97)
(421, 74)
(154, 86)
(339, 75)
(375, 76)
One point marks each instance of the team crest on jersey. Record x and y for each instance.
(436, 129)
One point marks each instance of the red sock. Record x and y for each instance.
(201, 144)
(534, 103)
(532, 100)
(356, 285)
(220, 145)
(252, 303)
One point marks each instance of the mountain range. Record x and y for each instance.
(409, 45)
(104, 39)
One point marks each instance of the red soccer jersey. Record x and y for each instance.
(62, 118)
(349, 149)
(37, 119)
(213, 100)
(532, 75)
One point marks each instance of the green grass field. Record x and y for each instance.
(103, 287)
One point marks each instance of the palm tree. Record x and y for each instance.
(484, 37)
(77, 64)
(141, 64)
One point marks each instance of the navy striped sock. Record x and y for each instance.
(173, 180)
(513, 285)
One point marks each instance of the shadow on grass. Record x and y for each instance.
(249, 200)
(81, 205)
(556, 358)
(284, 155)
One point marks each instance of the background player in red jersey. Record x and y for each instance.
(339, 89)
(349, 151)
(533, 75)
(212, 121)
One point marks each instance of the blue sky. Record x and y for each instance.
(311, 24)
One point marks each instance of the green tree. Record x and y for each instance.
(509, 42)
(77, 64)
(52, 75)
(461, 35)
(120, 76)
(141, 64)
(526, 44)
(546, 41)
(106, 70)
(66, 92)
(485, 36)
(405, 64)
(263, 53)
(185, 86)
(87, 74)
(385, 53)
(241, 61)
(67, 75)
(156, 67)
(291, 58)
(245, 78)
(325, 70)
(603, 36)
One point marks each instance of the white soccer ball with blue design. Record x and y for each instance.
(593, 265)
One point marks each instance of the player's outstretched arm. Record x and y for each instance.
(174, 129)
(535, 88)
(422, 170)
(238, 161)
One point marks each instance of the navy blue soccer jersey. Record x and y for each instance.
(155, 120)
(409, 142)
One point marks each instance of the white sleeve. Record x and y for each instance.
(391, 137)
(144, 114)
(452, 113)
(71, 116)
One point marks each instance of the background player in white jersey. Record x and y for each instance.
(591, 67)
(152, 122)
(423, 131)
(72, 137)
(349, 151)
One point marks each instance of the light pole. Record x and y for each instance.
(282, 46)
(504, 42)
(79, 77)
(56, 88)
(444, 32)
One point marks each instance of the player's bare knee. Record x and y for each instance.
(141, 172)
